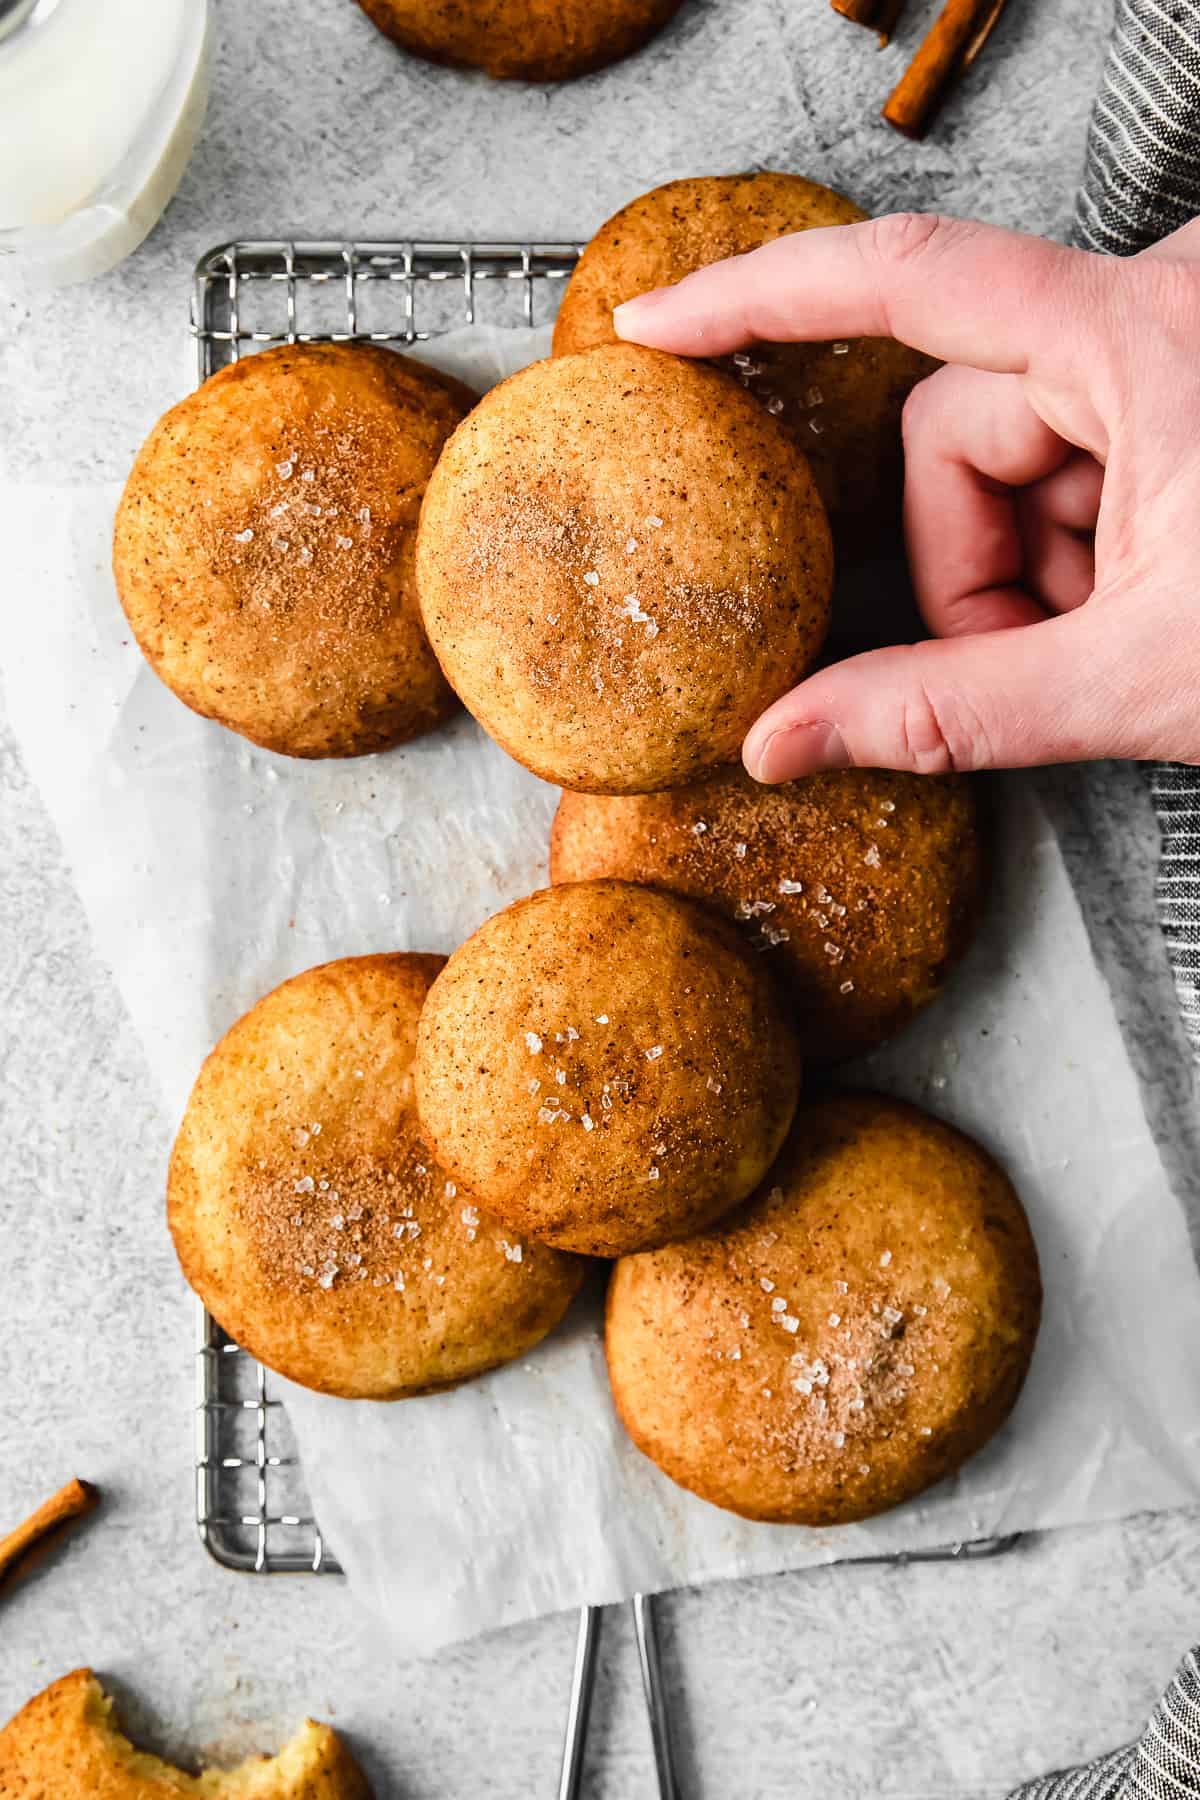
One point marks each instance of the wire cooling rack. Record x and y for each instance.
(251, 1506)
(252, 1509)
(248, 295)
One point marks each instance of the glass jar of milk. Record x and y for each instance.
(101, 102)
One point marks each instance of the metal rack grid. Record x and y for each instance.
(252, 1509)
(248, 295)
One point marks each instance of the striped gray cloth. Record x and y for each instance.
(1142, 180)
(1164, 1764)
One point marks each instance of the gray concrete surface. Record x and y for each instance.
(922, 1682)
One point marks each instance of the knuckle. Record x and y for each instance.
(1136, 355)
(940, 734)
(899, 244)
(908, 236)
(1164, 296)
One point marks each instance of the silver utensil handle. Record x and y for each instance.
(656, 1699)
(582, 1680)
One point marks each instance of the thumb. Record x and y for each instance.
(1009, 699)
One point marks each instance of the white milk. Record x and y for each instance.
(101, 102)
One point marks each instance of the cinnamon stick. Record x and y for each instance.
(954, 40)
(877, 15)
(24, 1546)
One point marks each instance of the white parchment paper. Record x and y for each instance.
(211, 871)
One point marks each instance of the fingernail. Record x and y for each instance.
(799, 750)
(627, 315)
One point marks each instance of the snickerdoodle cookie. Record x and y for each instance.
(845, 1341)
(313, 1222)
(621, 561)
(264, 542)
(605, 1067)
(65, 1744)
(841, 401)
(862, 887)
(522, 40)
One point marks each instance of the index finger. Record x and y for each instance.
(961, 291)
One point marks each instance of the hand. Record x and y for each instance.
(1070, 404)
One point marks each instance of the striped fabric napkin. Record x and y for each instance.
(1164, 1763)
(1142, 181)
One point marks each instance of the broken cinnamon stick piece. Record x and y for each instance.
(22, 1547)
(877, 15)
(954, 40)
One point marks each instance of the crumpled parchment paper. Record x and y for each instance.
(210, 871)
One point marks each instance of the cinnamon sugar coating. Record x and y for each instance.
(846, 1340)
(605, 1067)
(313, 1222)
(840, 402)
(621, 561)
(861, 888)
(263, 547)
